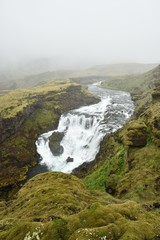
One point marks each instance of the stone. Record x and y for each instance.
(54, 143)
(69, 159)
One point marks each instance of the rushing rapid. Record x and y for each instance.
(84, 128)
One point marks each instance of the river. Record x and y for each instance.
(84, 129)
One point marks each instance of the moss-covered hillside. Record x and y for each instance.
(25, 114)
(128, 164)
(57, 206)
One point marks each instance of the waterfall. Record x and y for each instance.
(84, 128)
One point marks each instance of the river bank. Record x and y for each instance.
(127, 165)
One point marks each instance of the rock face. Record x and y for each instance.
(9, 126)
(54, 143)
(156, 95)
(155, 125)
(136, 135)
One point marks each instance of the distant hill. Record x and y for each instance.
(30, 75)
(122, 69)
(129, 82)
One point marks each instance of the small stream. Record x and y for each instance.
(84, 128)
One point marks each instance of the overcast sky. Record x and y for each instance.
(86, 31)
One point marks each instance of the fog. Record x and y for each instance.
(80, 32)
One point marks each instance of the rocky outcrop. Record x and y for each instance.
(136, 134)
(156, 129)
(54, 143)
(9, 126)
(156, 95)
(75, 96)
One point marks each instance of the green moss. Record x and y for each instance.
(97, 179)
(114, 222)
(38, 198)
(121, 162)
(40, 120)
(42, 210)
(16, 101)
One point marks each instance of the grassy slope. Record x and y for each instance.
(132, 82)
(134, 170)
(121, 69)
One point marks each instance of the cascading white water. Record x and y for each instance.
(84, 128)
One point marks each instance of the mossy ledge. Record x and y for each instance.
(25, 114)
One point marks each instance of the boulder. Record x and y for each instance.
(69, 159)
(54, 143)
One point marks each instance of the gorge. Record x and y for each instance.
(83, 129)
(118, 196)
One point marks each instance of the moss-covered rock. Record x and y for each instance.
(156, 95)
(136, 134)
(54, 143)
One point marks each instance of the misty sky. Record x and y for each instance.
(95, 31)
